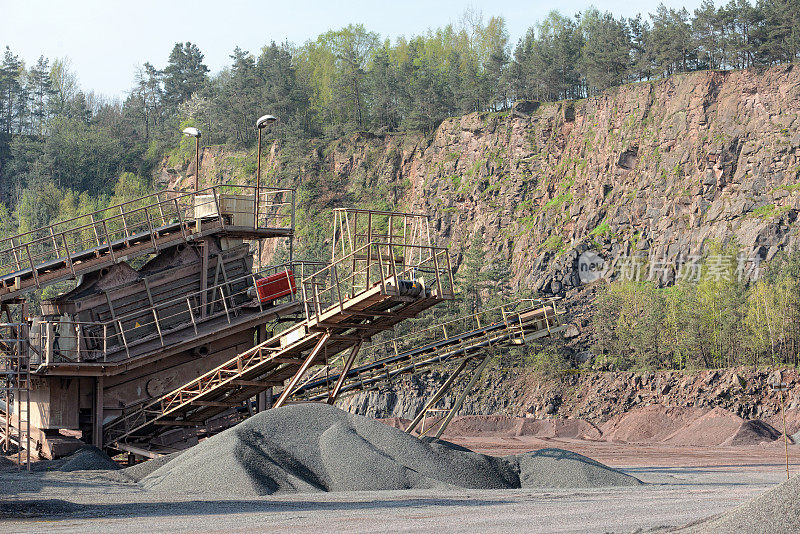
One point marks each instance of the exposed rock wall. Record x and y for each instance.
(657, 169)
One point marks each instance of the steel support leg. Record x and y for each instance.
(438, 395)
(460, 401)
(346, 369)
(97, 431)
(300, 372)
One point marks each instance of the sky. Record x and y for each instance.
(107, 40)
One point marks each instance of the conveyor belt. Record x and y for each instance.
(268, 364)
(524, 325)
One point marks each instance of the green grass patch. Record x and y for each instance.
(603, 229)
(763, 212)
(559, 201)
(554, 243)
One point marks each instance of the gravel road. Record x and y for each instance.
(89, 502)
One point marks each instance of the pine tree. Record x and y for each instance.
(10, 89)
(780, 31)
(670, 40)
(41, 94)
(184, 75)
(605, 58)
(707, 27)
(641, 54)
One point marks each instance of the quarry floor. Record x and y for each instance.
(684, 484)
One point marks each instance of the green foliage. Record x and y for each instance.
(714, 321)
(554, 243)
(559, 200)
(763, 212)
(546, 361)
(603, 229)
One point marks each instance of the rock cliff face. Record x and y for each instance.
(655, 169)
(652, 169)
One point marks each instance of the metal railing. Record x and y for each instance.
(105, 231)
(509, 315)
(64, 341)
(383, 264)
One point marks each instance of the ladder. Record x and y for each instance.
(15, 385)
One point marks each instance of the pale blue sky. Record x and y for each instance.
(106, 40)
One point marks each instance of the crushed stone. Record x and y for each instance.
(316, 447)
(777, 510)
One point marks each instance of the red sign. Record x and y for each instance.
(275, 286)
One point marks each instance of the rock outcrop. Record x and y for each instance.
(657, 170)
(654, 169)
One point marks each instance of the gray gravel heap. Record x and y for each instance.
(139, 471)
(316, 447)
(776, 511)
(87, 458)
(5, 464)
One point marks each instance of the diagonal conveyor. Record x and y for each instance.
(535, 319)
(357, 296)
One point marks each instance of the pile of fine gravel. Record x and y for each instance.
(721, 427)
(649, 424)
(141, 470)
(777, 510)
(501, 425)
(752, 433)
(316, 447)
(87, 458)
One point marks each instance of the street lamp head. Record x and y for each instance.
(191, 132)
(264, 121)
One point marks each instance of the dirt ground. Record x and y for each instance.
(641, 455)
(684, 484)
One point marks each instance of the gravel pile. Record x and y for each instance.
(87, 458)
(649, 423)
(792, 421)
(557, 468)
(752, 433)
(5, 464)
(559, 428)
(316, 447)
(777, 510)
(505, 426)
(721, 427)
(139, 471)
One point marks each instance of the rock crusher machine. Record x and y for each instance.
(169, 331)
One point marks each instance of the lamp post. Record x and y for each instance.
(261, 123)
(194, 132)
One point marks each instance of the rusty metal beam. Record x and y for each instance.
(457, 406)
(347, 365)
(215, 403)
(254, 383)
(174, 422)
(301, 371)
(438, 395)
